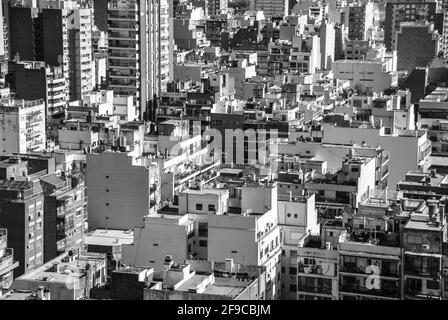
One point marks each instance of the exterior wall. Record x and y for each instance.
(374, 76)
(417, 46)
(118, 191)
(16, 118)
(156, 239)
(202, 203)
(404, 150)
(25, 231)
(270, 8)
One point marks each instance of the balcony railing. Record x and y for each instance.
(6, 260)
(390, 293)
(362, 270)
(314, 289)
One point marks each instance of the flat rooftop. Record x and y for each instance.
(68, 271)
(423, 225)
(106, 237)
(206, 191)
(229, 287)
(11, 185)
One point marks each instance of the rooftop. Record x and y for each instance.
(106, 237)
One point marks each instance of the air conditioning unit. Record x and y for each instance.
(425, 246)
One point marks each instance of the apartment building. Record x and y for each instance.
(315, 270)
(65, 205)
(432, 113)
(296, 217)
(251, 237)
(423, 246)
(82, 75)
(370, 75)
(370, 251)
(139, 51)
(22, 213)
(216, 7)
(58, 33)
(197, 280)
(398, 11)
(277, 8)
(359, 18)
(305, 54)
(424, 185)
(416, 44)
(33, 80)
(67, 277)
(160, 235)
(412, 143)
(22, 126)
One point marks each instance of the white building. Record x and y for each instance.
(159, 236)
(296, 217)
(408, 149)
(252, 237)
(22, 126)
(370, 75)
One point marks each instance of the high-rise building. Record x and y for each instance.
(416, 44)
(398, 11)
(80, 51)
(359, 19)
(34, 80)
(216, 7)
(139, 51)
(270, 8)
(444, 45)
(58, 33)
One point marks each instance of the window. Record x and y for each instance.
(198, 206)
(432, 285)
(234, 251)
(283, 269)
(293, 253)
(211, 207)
(293, 288)
(292, 270)
(203, 243)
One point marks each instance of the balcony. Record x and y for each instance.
(382, 292)
(6, 260)
(384, 272)
(314, 289)
(422, 271)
